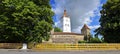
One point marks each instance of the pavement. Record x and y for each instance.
(20, 51)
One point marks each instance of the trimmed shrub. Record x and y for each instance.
(82, 42)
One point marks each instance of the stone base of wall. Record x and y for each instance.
(66, 38)
(10, 45)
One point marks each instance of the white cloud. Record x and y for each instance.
(94, 26)
(57, 23)
(80, 12)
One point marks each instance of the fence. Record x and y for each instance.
(85, 46)
(53, 46)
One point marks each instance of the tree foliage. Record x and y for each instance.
(82, 41)
(25, 20)
(95, 40)
(56, 29)
(110, 21)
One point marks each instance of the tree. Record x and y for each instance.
(56, 29)
(95, 40)
(25, 20)
(110, 22)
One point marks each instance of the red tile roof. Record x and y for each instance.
(65, 33)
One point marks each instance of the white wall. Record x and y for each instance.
(66, 24)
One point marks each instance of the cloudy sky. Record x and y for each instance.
(80, 11)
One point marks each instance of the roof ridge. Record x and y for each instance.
(85, 26)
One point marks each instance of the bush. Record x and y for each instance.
(95, 40)
(81, 41)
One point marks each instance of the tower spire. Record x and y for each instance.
(65, 13)
(65, 22)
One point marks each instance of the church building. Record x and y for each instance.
(65, 23)
(66, 36)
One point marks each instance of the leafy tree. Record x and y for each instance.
(95, 40)
(56, 29)
(25, 20)
(110, 22)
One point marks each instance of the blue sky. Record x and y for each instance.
(81, 12)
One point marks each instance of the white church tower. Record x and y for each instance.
(65, 23)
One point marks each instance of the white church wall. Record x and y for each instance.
(66, 24)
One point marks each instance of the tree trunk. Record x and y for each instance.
(24, 46)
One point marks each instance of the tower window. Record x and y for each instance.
(68, 24)
(65, 24)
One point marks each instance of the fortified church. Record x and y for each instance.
(66, 36)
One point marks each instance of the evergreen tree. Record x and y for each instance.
(110, 22)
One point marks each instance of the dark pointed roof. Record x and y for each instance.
(65, 14)
(85, 26)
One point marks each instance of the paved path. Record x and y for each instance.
(14, 51)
